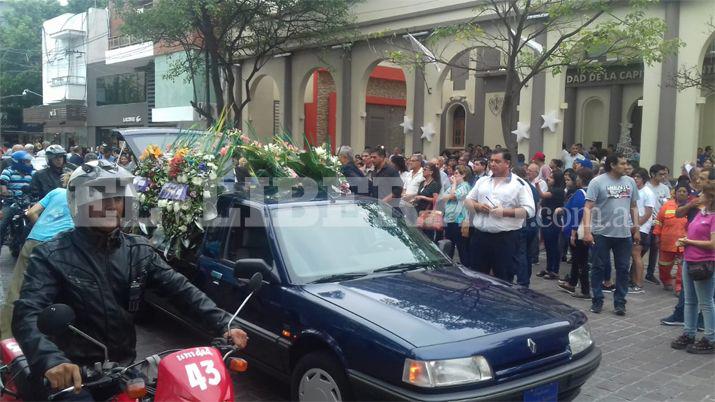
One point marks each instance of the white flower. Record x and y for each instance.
(320, 151)
(182, 228)
(211, 165)
(161, 204)
(207, 194)
(212, 176)
(184, 206)
(196, 181)
(209, 157)
(140, 197)
(177, 207)
(182, 178)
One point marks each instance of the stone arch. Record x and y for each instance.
(447, 124)
(706, 132)
(319, 93)
(594, 121)
(265, 96)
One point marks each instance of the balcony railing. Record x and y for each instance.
(68, 80)
(116, 42)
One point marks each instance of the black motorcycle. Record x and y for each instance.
(19, 227)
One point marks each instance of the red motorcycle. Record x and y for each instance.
(195, 374)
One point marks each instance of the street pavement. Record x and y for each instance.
(638, 363)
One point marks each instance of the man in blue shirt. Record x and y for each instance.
(13, 181)
(50, 216)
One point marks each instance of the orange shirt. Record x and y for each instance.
(670, 228)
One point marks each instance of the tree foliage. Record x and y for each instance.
(579, 33)
(217, 35)
(695, 76)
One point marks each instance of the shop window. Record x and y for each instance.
(121, 89)
(458, 125)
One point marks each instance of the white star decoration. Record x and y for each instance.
(406, 124)
(551, 119)
(428, 132)
(522, 131)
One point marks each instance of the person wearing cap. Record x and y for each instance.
(582, 163)
(544, 169)
(102, 273)
(500, 204)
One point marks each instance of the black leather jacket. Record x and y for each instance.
(93, 274)
(44, 181)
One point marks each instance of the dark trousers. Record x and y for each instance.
(495, 253)
(8, 213)
(579, 267)
(521, 257)
(621, 248)
(653, 254)
(453, 232)
(533, 247)
(551, 233)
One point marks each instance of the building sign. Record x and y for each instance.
(132, 119)
(614, 75)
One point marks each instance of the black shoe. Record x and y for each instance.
(701, 347)
(672, 321)
(581, 295)
(551, 276)
(566, 287)
(608, 289)
(682, 342)
(620, 310)
(542, 274)
(596, 308)
(652, 279)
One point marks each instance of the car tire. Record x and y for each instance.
(319, 376)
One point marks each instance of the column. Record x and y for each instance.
(614, 114)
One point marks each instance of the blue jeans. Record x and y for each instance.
(453, 232)
(602, 248)
(551, 233)
(522, 262)
(699, 296)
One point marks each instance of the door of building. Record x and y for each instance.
(382, 126)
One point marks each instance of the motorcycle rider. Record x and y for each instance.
(49, 178)
(101, 273)
(14, 180)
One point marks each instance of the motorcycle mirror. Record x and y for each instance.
(255, 282)
(55, 319)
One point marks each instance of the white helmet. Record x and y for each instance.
(95, 181)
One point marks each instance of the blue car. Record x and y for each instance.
(359, 305)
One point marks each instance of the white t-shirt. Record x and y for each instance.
(412, 182)
(662, 194)
(646, 198)
(568, 159)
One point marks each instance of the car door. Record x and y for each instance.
(263, 316)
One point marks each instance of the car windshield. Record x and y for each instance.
(344, 239)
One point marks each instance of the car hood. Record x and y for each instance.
(449, 304)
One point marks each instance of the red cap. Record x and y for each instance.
(539, 155)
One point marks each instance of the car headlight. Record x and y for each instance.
(580, 339)
(440, 373)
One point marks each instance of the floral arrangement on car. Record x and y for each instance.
(178, 187)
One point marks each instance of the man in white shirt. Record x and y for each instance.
(570, 156)
(658, 175)
(413, 177)
(500, 204)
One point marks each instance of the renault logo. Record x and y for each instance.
(531, 344)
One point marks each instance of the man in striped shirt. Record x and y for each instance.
(13, 180)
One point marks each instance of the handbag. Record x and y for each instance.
(701, 270)
(431, 219)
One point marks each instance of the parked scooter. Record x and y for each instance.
(195, 374)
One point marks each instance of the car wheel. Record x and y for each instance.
(319, 376)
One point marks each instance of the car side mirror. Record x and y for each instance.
(55, 319)
(247, 267)
(447, 247)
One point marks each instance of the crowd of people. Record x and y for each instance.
(612, 220)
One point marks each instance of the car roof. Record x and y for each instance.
(245, 199)
(154, 130)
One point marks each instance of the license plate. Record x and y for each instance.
(543, 393)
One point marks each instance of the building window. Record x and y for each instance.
(121, 89)
(458, 116)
